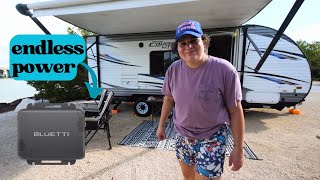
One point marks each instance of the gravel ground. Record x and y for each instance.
(288, 144)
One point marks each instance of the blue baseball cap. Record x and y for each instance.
(189, 27)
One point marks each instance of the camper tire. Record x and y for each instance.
(142, 108)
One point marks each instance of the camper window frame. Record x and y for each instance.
(164, 67)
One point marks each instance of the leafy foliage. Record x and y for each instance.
(312, 52)
(79, 31)
(63, 91)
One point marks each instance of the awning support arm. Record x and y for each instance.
(254, 45)
(24, 10)
(279, 33)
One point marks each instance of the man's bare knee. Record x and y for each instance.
(200, 177)
(187, 171)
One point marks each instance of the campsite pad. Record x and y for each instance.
(144, 135)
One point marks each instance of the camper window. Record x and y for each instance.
(221, 46)
(160, 61)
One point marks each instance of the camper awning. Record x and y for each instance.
(137, 16)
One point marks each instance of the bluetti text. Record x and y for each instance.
(51, 134)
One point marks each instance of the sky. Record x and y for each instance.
(304, 26)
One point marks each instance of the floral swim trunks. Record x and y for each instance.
(207, 155)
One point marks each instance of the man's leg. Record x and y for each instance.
(186, 158)
(199, 177)
(187, 171)
(210, 156)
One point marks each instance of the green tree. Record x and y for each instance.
(312, 52)
(79, 31)
(63, 91)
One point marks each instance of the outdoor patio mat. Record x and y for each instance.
(144, 135)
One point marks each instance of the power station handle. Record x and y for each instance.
(41, 106)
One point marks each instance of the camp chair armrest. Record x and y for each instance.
(92, 119)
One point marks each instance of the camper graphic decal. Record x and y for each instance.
(111, 59)
(150, 83)
(157, 85)
(267, 74)
(106, 44)
(157, 77)
(282, 56)
(275, 53)
(292, 53)
(279, 81)
(113, 86)
(162, 44)
(153, 84)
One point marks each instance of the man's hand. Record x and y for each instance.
(161, 133)
(236, 158)
(167, 105)
(237, 126)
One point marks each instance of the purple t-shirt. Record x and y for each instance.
(201, 95)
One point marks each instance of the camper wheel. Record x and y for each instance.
(142, 108)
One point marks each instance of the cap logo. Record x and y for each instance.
(186, 25)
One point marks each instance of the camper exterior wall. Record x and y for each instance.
(283, 80)
(125, 64)
(285, 77)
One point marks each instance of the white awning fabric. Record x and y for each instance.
(138, 16)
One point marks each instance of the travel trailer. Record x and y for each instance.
(132, 49)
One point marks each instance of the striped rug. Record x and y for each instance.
(144, 135)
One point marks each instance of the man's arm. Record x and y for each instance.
(238, 128)
(167, 106)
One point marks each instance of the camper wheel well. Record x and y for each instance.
(142, 107)
(144, 104)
